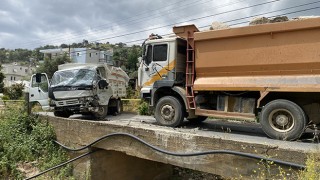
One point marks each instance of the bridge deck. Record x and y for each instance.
(77, 132)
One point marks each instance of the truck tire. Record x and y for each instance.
(102, 113)
(283, 119)
(198, 119)
(119, 107)
(169, 111)
(63, 114)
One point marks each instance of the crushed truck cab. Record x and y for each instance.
(94, 89)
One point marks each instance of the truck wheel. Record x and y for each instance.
(198, 119)
(169, 111)
(63, 114)
(119, 107)
(102, 113)
(283, 119)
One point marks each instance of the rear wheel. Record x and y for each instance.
(198, 119)
(119, 107)
(169, 111)
(283, 119)
(101, 113)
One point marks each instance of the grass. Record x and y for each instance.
(313, 168)
(26, 140)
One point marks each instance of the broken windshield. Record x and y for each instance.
(74, 77)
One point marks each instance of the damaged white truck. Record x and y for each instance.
(75, 88)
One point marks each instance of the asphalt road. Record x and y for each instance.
(249, 129)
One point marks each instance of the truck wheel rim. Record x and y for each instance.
(167, 112)
(100, 111)
(281, 120)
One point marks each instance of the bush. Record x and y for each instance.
(14, 92)
(25, 139)
(143, 108)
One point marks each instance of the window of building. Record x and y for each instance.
(11, 78)
(78, 54)
(14, 78)
(26, 70)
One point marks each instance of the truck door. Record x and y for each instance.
(38, 91)
(155, 64)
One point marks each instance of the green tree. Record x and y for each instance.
(51, 66)
(19, 55)
(1, 80)
(37, 55)
(3, 56)
(14, 92)
(134, 53)
(64, 45)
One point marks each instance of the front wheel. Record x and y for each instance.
(283, 119)
(169, 111)
(101, 113)
(63, 114)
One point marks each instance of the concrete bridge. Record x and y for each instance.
(125, 158)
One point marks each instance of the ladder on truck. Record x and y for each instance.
(190, 71)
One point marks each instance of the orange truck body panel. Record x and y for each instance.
(270, 57)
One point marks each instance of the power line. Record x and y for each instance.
(224, 5)
(231, 20)
(159, 27)
(125, 21)
(203, 17)
(293, 12)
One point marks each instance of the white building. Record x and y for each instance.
(80, 55)
(15, 73)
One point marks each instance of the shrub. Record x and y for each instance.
(143, 108)
(14, 92)
(25, 139)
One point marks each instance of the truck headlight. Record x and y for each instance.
(51, 102)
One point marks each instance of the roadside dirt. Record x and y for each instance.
(188, 174)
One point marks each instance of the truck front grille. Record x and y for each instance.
(67, 102)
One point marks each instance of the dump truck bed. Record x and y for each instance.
(281, 56)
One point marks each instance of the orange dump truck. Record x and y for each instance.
(267, 73)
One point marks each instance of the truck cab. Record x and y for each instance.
(81, 89)
(162, 66)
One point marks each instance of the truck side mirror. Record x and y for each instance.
(38, 78)
(103, 84)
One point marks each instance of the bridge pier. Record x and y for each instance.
(118, 165)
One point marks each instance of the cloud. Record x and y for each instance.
(34, 23)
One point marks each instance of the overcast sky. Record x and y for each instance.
(33, 23)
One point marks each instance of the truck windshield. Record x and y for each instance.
(74, 77)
